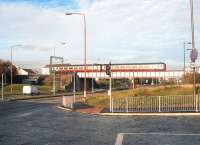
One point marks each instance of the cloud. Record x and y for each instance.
(130, 30)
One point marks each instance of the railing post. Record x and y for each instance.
(196, 103)
(159, 104)
(127, 105)
(112, 104)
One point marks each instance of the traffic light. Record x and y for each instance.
(108, 69)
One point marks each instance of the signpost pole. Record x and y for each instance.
(74, 88)
(110, 85)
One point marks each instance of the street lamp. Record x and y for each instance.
(11, 65)
(184, 46)
(85, 48)
(194, 53)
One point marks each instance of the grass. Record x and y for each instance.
(102, 99)
(17, 93)
(18, 88)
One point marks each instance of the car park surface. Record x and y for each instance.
(40, 122)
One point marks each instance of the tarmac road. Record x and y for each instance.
(40, 122)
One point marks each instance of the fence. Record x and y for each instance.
(157, 104)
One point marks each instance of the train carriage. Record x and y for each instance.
(125, 67)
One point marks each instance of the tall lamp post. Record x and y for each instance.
(11, 65)
(184, 46)
(194, 53)
(85, 48)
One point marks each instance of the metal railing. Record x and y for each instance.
(157, 104)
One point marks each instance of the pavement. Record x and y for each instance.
(40, 122)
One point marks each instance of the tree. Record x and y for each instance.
(188, 78)
(6, 70)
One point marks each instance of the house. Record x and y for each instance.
(26, 75)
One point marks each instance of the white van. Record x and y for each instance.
(30, 90)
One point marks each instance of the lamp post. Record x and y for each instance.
(11, 65)
(194, 53)
(184, 46)
(85, 48)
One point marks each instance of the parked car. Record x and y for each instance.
(30, 90)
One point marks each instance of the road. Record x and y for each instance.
(40, 122)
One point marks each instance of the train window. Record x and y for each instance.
(133, 66)
(116, 67)
(89, 67)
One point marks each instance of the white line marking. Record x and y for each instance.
(120, 136)
(119, 139)
(28, 113)
(164, 134)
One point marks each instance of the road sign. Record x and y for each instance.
(193, 55)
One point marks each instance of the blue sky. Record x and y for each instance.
(42, 2)
(120, 31)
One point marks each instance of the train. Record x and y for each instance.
(120, 67)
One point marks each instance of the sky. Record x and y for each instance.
(121, 31)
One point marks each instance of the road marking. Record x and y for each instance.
(163, 134)
(28, 113)
(63, 108)
(120, 136)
